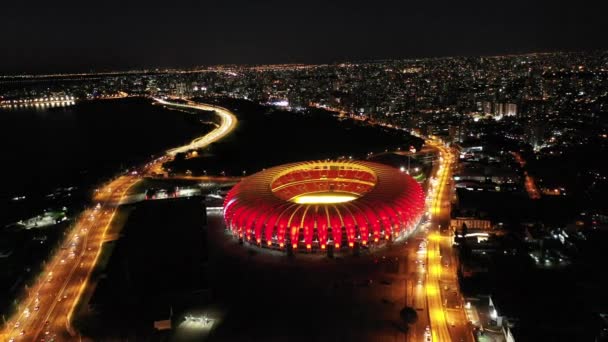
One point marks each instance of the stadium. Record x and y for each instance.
(318, 205)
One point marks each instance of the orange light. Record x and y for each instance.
(281, 244)
(337, 245)
(295, 245)
(375, 239)
(364, 242)
(308, 246)
(269, 243)
(259, 241)
(350, 244)
(387, 236)
(322, 246)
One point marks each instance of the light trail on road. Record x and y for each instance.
(439, 211)
(57, 289)
(48, 309)
(529, 183)
(228, 124)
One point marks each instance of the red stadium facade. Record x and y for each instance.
(315, 205)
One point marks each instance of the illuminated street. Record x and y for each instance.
(63, 280)
(529, 183)
(304, 171)
(229, 122)
(447, 322)
(48, 310)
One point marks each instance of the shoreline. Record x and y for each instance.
(109, 197)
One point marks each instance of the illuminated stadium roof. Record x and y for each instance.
(312, 205)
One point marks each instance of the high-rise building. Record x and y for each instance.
(181, 89)
(456, 133)
(498, 110)
(487, 107)
(534, 133)
(510, 109)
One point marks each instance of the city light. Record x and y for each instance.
(74, 265)
(493, 128)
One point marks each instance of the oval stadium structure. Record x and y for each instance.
(319, 204)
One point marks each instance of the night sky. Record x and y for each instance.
(54, 36)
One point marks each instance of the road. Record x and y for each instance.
(529, 181)
(56, 293)
(444, 300)
(228, 124)
(47, 310)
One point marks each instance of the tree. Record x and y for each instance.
(179, 157)
(408, 315)
(465, 230)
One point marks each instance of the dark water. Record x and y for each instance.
(265, 137)
(81, 145)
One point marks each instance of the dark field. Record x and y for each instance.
(256, 295)
(266, 137)
(156, 266)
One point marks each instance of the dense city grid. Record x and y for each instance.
(501, 200)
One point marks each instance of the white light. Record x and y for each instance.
(281, 103)
(323, 198)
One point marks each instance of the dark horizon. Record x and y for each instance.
(153, 68)
(68, 36)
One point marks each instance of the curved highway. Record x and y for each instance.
(48, 308)
(229, 121)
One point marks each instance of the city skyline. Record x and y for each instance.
(342, 171)
(67, 36)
